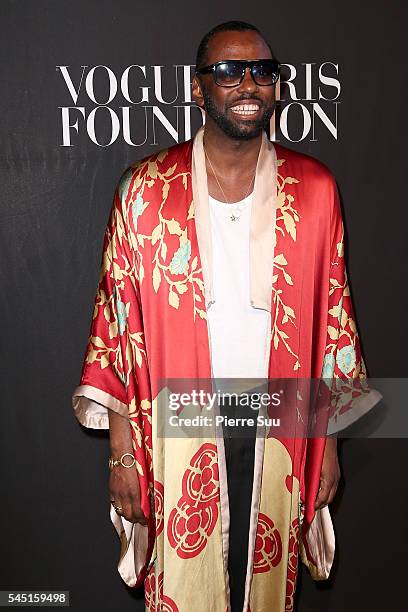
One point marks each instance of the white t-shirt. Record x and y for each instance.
(238, 331)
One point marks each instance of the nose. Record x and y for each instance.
(248, 83)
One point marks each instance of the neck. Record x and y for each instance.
(229, 155)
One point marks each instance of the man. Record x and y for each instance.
(223, 257)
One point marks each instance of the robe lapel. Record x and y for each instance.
(262, 229)
(261, 252)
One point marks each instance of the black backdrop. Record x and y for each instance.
(56, 532)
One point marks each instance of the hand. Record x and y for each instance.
(124, 488)
(124, 485)
(329, 476)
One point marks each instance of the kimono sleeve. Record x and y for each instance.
(114, 372)
(344, 369)
(115, 335)
(345, 396)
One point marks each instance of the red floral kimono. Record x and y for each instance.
(149, 323)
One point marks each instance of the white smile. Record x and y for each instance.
(245, 109)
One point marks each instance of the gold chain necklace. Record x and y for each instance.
(233, 216)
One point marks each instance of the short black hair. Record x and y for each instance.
(227, 26)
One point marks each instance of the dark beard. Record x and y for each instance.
(230, 128)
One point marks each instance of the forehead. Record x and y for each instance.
(245, 44)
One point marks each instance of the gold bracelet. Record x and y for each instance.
(114, 462)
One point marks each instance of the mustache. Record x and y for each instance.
(248, 97)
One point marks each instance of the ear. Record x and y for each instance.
(196, 91)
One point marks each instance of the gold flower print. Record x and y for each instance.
(181, 271)
(286, 219)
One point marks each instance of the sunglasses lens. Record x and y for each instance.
(228, 74)
(266, 73)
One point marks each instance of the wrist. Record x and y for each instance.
(125, 460)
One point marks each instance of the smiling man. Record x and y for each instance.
(223, 258)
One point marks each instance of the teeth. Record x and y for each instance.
(245, 109)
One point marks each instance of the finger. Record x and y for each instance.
(126, 510)
(322, 495)
(132, 512)
(129, 504)
(137, 513)
(119, 505)
(140, 518)
(332, 493)
(327, 497)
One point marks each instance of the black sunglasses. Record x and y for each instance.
(230, 73)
